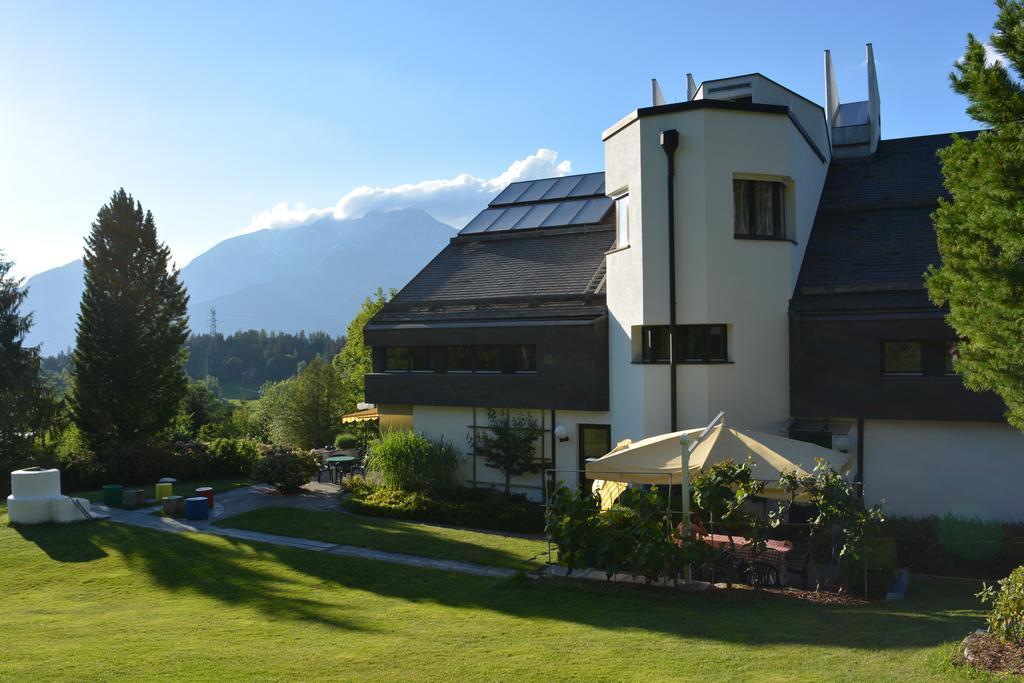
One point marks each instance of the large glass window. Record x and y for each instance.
(406, 359)
(919, 358)
(622, 221)
(759, 209)
(902, 358)
(458, 359)
(702, 344)
(487, 359)
(655, 339)
(526, 358)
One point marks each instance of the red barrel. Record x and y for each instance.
(207, 493)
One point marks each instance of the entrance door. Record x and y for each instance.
(595, 441)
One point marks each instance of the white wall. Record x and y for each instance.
(745, 284)
(453, 424)
(931, 468)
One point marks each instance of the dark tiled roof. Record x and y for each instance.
(873, 232)
(545, 203)
(540, 274)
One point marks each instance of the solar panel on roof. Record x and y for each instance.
(536, 190)
(537, 214)
(511, 193)
(588, 185)
(509, 217)
(562, 188)
(564, 214)
(593, 212)
(483, 220)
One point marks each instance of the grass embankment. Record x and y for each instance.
(100, 600)
(396, 536)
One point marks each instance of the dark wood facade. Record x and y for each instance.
(836, 370)
(572, 365)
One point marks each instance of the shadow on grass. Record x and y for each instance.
(390, 535)
(252, 575)
(60, 545)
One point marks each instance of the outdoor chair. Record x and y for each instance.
(324, 467)
(798, 562)
(762, 574)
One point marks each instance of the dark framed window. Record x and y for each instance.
(487, 359)
(526, 358)
(406, 359)
(902, 358)
(918, 358)
(702, 344)
(952, 353)
(458, 359)
(759, 209)
(655, 343)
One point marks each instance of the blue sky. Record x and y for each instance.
(211, 113)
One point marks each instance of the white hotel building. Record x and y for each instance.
(748, 251)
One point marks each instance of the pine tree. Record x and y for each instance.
(129, 377)
(981, 230)
(25, 402)
(355, 359)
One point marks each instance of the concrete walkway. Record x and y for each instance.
(253, 497)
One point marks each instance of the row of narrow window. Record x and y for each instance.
(482, 359)
(694, 344)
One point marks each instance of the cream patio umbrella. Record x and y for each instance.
(658, 459)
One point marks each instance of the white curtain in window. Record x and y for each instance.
(741, 202)
(764, 209)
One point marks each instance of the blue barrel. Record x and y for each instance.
(197, 508)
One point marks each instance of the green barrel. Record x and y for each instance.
(113, 494)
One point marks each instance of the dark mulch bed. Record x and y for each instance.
(985, 651)
(720, 592)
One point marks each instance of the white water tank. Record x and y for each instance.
(35, 498)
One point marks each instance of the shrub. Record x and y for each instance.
(1006, 619)
(409, 461)
(957, 546)
(346, 440)
(233, 456)
(634, 535)
(285, 469)
(457, 506)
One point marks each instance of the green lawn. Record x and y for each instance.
(100, 600)
(181, 488)
(396, 536)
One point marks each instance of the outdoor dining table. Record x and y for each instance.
(774, 554)
(338, 463)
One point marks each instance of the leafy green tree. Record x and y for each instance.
(305, 412)
(980, 233)
(129, 378)
(203, 404)
(26, 404)
(509, 444)
(355, 360)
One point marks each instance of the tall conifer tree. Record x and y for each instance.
(129, 377)
(981, 230)
(25, 402)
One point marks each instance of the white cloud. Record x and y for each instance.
(992, 56)
(453, 200)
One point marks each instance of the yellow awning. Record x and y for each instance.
(656, 459)
(360, 416)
